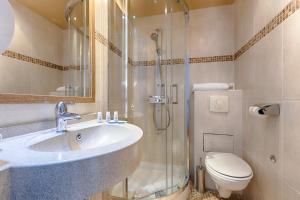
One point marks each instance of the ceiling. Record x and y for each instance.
(53, 10)
(197, 4)
(141, 8)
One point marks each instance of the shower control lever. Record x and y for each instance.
(157, 99)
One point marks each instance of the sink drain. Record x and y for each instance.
(78, 137)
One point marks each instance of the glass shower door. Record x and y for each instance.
(178, 86)
(156, 97)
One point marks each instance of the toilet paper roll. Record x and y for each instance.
(253, 110)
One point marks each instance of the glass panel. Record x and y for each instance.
(117, 65)
(148, 49)
(178, 80)
(155, 94)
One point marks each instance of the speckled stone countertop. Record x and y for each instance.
(30, 174)
(4, 182)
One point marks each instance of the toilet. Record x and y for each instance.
(228, 171)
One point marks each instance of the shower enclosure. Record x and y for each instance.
(150, 88)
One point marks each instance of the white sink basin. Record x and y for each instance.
(78, 140)
(88, 159)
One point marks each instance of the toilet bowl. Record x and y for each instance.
(228, 171)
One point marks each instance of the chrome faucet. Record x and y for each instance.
(62, 116)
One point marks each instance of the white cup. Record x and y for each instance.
(99, 117)
(108, 117)
(116, 116)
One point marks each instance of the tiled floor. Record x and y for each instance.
(148, 179)
(211, 196)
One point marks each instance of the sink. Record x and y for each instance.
(95, 137)
(89, 158)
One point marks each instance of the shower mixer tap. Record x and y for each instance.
(157, 100)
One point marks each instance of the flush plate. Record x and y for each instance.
(219, 104)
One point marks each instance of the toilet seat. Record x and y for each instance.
(228, 166)
(226, 178)
(229, 172)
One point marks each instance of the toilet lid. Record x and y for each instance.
(228, 164)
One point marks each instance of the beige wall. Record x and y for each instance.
(213, 131)
(269, 73)
(212, 34)
(25, 113)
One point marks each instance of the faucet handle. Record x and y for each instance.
(61, 107)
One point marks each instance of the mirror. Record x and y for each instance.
(50, 56)
(7, 25)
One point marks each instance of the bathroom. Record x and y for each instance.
(149, 99)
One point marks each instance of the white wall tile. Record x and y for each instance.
(268, 73)
(211, 31)
(291, 44)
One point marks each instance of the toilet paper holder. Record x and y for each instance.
(268, 109)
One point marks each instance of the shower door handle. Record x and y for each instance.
(174, 90)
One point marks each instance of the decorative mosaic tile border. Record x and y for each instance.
(71, 67)
(195, 60)
(144, 63)
(29, 59)
(290, 9)
(100, 38)
(22, 57)
(32, 60)
(36, 61)
(224, 58)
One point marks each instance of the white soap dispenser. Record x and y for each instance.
(99, 117)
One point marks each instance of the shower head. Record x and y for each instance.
(154, 37)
